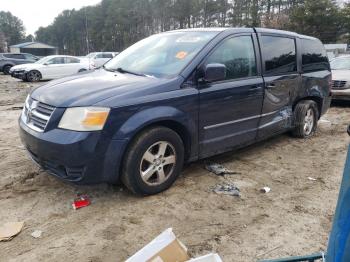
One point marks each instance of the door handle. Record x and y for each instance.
(254, 87)
(270, 86)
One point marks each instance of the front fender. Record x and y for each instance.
(157, 114)
(153, 115)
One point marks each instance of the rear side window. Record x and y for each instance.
(314, 56)
(279, 55)
(14, 56)
(238, 55)
(72, 60)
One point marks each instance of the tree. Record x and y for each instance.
(116, 24)
(318, 18)
(11, 27)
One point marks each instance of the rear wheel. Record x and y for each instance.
(305, 119)
(33, 76)
(153, 161)
(6, 69)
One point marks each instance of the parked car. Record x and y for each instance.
(176, 97)
(341, 78)
(50, 67)
(8, 60)
(98, 59)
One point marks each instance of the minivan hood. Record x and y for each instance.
(89, 88)
(341, 75)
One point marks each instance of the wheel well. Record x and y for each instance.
(318, 100)
(180, 129)
(6, 65)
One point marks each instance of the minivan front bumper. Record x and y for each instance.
(78, 157)
(341, 94)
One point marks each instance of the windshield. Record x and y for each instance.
(90, 55)
(340, 63)
(162, 55)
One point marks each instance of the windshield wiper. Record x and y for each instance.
(123, 71)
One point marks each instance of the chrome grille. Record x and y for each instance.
(36, 114)
(338, 84)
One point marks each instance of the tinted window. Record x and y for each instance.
(72, 60)
(107, 55)
(314, 57)
(56, 60)
(14, 56)
(99, 56)
(278, 55)
(238, 55)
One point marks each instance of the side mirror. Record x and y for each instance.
(214, 72)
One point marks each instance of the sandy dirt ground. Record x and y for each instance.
(293, 219)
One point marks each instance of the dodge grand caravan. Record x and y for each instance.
(176, 97)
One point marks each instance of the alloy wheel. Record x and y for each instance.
(309, 121)
(158, 163)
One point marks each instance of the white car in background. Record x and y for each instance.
(341, 78)
(98, 59)
(50, 67)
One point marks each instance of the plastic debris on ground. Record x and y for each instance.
(207, 258)
(219, 170)
(265, 189)
(81, 201)
(227, 189)
(164, 248)
(37, 233)
(312, 179)
(10, 230)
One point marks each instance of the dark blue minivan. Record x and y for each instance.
(176, 97)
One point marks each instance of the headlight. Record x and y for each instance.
(84, 118)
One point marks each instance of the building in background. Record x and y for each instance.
(334, 50)
(34, 48)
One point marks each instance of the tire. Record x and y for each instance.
(146, 155)
(305, 119)
(6, 69)
(33, 76)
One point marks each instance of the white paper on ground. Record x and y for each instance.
(207, 258)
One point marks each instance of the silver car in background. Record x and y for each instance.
(341, 78)
(98, 59)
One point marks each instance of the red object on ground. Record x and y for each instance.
(80, 202)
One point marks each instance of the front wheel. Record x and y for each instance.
(153, 161)
(33, 76)
(6, 69)
(305, 119)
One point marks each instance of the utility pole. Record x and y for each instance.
(87, 32)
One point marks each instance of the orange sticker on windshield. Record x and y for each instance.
(181, 55)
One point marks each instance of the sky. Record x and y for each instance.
(36, 13)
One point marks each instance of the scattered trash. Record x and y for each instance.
(312, 179)
(227, 189)
(265, 189)
(37, 233)
(164, 248)
(219, 170)
(81, 201)
(207, 258)
(10, 230)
